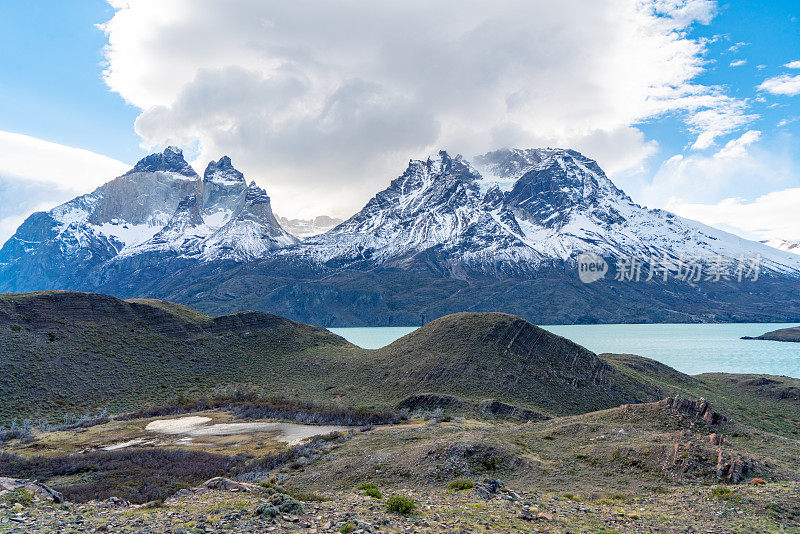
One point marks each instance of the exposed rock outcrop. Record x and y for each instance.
(734, 468)
(226, 484)
(699, 410)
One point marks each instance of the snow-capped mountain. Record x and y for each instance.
(435, 208)
(161, 206)
(515, 209)
(784, 244)
(225, 219)
(498, 233)
(309, 227)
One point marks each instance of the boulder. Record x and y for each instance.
(488, 488)
(222, 483)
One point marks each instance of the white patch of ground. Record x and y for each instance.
(193, 426)
(125, 444)
(180, 425)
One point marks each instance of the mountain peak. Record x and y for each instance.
(170, 160)
(223, 172)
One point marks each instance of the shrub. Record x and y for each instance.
(374, 493)
(249, 405)
(399, 504)
(286, 504)
(721, 492)
(570, 497)
(461, 484)
(267, 510)
(491, 463)
(347, 528)
(367, 486)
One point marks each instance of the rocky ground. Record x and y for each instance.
(485, 508)
(670, 466)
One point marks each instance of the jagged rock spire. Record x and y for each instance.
(223, 171)
(170, 160)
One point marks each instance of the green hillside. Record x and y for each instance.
(68, 352)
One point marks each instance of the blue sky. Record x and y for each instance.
(51, 84)
(322, 124)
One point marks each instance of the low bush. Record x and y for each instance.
(135, 475)
(461, 484)
(148, 474)
(258, 468)
(491, 463)
(398, 504)
(374, 493)
(249, 405)
(721, 492)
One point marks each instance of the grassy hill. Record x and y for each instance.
(782, 334)
(69, 352)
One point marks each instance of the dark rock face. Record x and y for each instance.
(429, 401)
(501, 409)
(171, 160)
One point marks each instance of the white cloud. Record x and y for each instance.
(737, 148)
(72, 169)
(324, 102)
(737, 46)
(738, 63)
(742, 168)
(782, 85)
(36, 175)
(793, 65)
(727, 116)
(774, 215)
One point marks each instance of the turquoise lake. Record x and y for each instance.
(690, 348)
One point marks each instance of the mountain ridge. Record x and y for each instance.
(442, 228)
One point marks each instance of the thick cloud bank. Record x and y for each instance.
(323, 102)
